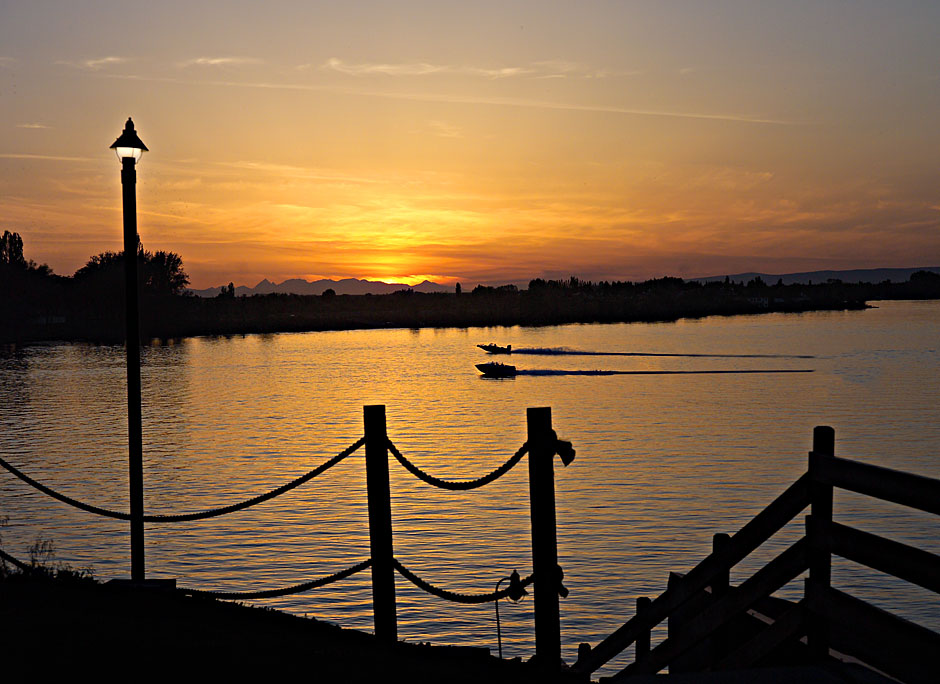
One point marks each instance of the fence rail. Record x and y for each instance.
(704, 614)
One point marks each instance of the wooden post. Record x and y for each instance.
(674, 623)
(817, 533)
(544, 541)
(642, 649)
(720, 586)
(380, 525)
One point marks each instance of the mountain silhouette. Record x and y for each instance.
(352, 286)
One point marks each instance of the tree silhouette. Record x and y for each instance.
(161, 273)
(11, 250)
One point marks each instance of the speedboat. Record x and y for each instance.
(496, 349)
(496, 370)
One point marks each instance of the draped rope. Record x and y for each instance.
(271, 593)
(458, 485)
(181, 517)
(456, 597)
(18, 563)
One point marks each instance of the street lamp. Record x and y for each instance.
(129, 148)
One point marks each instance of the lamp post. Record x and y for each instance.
(129, 149)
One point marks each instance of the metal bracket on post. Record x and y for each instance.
(541, 441)
(380, 525)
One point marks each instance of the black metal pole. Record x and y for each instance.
(132, 346)
(544, 542)
(380, 525)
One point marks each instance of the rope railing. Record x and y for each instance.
(514, 590)
(25, 567)
(457, 485)
(284, 591)
(183, 517)
(239, 595)
(542, 444)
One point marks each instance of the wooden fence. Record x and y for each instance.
(714, 626)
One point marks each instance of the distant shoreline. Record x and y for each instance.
(98, 317)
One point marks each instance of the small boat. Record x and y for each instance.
(496, 370)
(496, 349)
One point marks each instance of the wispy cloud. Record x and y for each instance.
(473, 99)
(420, 69)
(44, 157)
(445, 130)
(32, 125)
(94, 64)
(408, 69)
(560, 68)
(221, 61)
(297, 172)
(553, 68)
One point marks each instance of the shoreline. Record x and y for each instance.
(189, 325)
(62, 309)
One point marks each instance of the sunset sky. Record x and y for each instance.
(482, 142)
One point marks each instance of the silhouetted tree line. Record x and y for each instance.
(37, 304)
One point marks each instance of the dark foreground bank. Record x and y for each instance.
(81, 626)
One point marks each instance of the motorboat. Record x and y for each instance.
(496, 349)
(496, 370)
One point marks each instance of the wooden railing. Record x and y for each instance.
(713, 626)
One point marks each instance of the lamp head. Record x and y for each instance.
(128, 145)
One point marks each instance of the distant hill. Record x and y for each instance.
(864, 275)
(317, 287)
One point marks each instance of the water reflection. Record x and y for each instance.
(664, 461)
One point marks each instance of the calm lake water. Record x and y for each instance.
(663, 461)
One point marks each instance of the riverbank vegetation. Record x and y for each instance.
(76, 625)
(36, 304)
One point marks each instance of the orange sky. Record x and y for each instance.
(477, 142)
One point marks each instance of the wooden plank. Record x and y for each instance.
(896, 486)
(784, 627)
(894, 558)
(765, 581)
(764, 525)
(891, 644)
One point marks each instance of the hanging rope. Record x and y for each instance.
(457, 485)
(18, 563)
(181, 517)
(513, 590)
(271, 593)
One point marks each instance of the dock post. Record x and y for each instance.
(380, 525)
(818, 533)
(541, 442)
(720, 587)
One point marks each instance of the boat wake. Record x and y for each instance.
(663, 372)
(564, 351)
